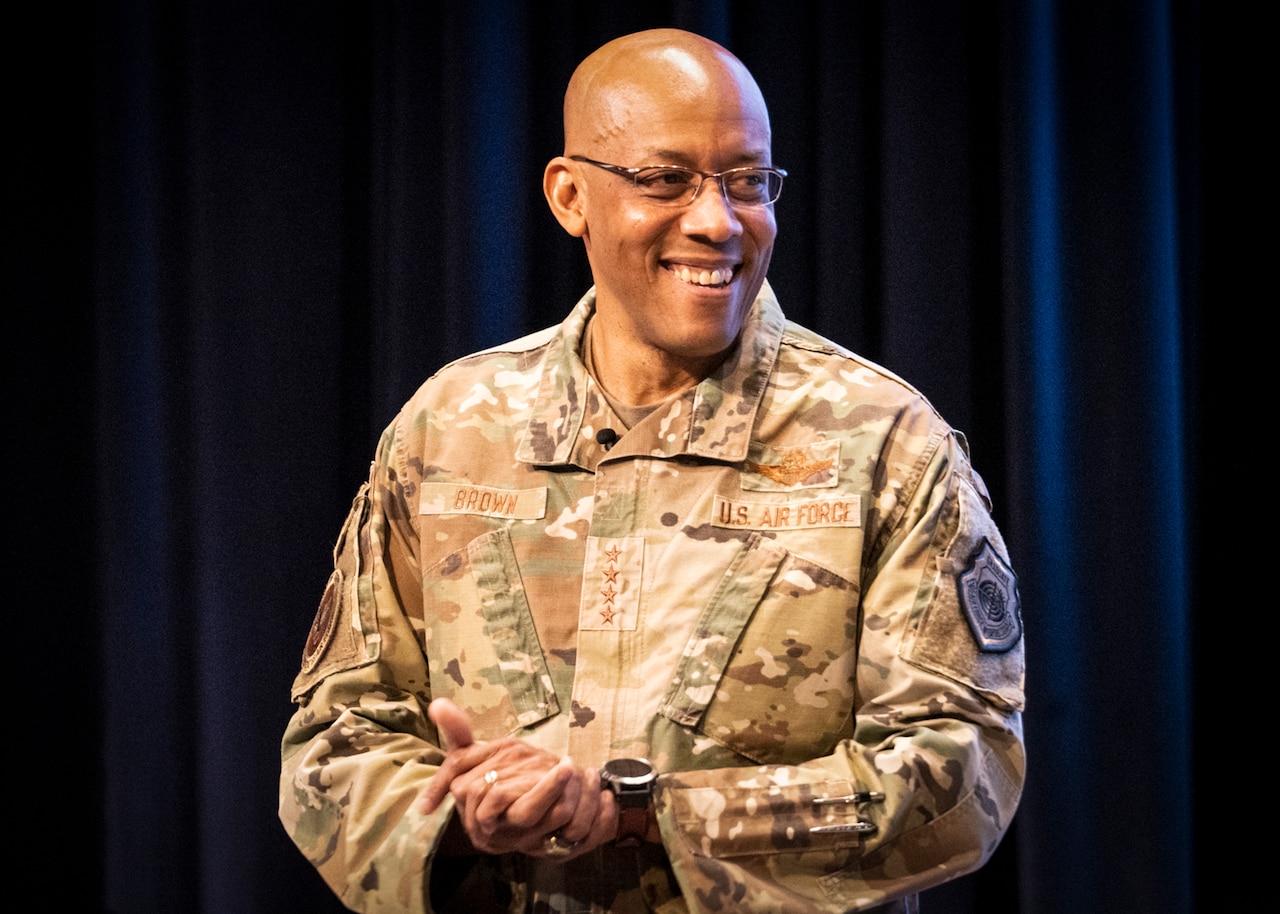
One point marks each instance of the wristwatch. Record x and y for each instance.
(631, 780)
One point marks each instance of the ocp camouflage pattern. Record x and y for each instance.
(756, 588)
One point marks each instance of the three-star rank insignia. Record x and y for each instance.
(989, 597)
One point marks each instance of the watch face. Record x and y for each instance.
(629, 769)
(630, 780)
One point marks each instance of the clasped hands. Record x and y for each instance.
(514, 797)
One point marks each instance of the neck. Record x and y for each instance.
(638, 375)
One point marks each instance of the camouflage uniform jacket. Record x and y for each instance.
(783, 587)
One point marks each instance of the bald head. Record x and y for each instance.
(629, 77)
(674, 279)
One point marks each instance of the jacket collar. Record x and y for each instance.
(714, 419)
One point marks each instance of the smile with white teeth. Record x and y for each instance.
(704, 277)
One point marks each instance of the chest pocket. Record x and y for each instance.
(769, 671)
(481, 646)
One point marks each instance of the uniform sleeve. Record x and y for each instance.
(359, 747)
(927, 785)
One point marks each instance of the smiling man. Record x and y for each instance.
(677, 262)
(676, 606)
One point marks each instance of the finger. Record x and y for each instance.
(479, 825)
(452, 722)
(454, 770)
(561, 810)
(534, 805)
(441, 784)
(504, 819)
(493, 783)
(594, 823)
(434, 793)
(603, 827)
(513, 813)
(586, 808)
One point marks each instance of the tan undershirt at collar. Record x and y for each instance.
(630, 415)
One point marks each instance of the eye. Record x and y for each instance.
(748, 185)
(665, 183)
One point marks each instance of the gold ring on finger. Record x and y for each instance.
(555, 845)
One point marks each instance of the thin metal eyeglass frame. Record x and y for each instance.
(718, 177)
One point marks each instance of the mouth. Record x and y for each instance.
(704, 277)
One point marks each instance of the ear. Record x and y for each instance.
(564, 196)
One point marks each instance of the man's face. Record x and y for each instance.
(677, 280)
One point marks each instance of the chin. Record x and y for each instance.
(703, 345)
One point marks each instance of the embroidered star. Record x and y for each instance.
(613, 553)
(611, 574)
(792, 468)
(608, 613)
(608, 594)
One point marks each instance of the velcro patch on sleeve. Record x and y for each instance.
(338, 639)
(970, 629)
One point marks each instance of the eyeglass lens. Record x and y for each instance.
(746, 186)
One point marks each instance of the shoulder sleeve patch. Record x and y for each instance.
(338, 637)
(989, 595)
(970, 627)
(322, 627)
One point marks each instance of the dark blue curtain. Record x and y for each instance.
(242, 233)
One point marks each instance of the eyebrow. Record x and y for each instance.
(673, 157)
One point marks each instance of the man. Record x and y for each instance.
(674, 607)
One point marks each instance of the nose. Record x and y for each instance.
(710, 214)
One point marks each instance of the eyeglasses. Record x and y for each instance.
(672, 185)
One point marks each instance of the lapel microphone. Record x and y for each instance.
(606, 438)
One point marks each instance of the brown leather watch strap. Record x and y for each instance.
(633, 824)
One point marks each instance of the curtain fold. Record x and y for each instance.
(1108, 546)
